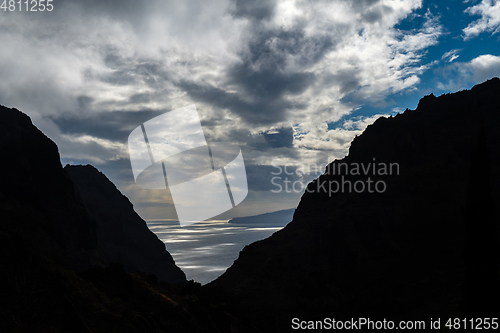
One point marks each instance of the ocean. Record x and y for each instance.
(205, 250)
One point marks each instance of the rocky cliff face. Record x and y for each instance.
(418, 249)
(122, 235)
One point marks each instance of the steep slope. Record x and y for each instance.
(37, 200)
(396, 254)
(122, 236)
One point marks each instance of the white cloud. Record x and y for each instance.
(335, 140)
(461, 75)
(370, 62)
(451, 55)
(485, 67)
(489, 10)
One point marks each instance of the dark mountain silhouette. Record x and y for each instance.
(37, 196)
(122, 235)
(59, 230)
(425, 247)
(75, 213)
(481, 287)
(279, 218)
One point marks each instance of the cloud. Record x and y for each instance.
(256, 10)
(451, 55)
(489, 10)
(267, 75)
(115, 126)
(264, 63)
(485, 67)
(337, 139)
(281, 137)
(461, 75)
(260, 177)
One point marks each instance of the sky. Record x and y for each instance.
(290, 82)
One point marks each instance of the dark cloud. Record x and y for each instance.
(130, 71)
(112, 57)
(141, 98)
(282, 137)
(347, 81)
(263, 111)
(115, 126)
(361, 5)
(271, 177)
(242, 136)
(376, 14)
(263, 85)
(121, 77)
(269, 83)
(260, 177)
(131, 11)
(279, 138)
(84, 102)
(270, 49)
(255, 10)
(266, 76)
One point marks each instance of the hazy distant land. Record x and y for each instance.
(278, 219)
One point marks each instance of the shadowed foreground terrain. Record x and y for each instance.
(75, 256)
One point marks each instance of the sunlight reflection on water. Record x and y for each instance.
(205, 250)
